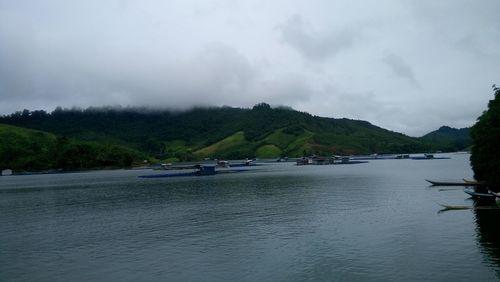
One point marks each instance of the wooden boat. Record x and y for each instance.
(440, 183)
(449, 207)
(482, 195)
(494, 193)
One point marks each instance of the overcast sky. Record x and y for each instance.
(408, 66)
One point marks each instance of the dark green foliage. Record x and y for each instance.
(26, 149)
(29, 150)
(294, 130)
(83, 155)
(449, 139)
(485, 135)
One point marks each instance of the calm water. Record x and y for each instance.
(374, 221)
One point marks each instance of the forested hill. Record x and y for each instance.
(450, 139)
(225, 132)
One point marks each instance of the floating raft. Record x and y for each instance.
(427, 158)
(201, 171)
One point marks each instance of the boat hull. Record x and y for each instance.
(439, 183)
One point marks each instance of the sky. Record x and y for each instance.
(408, 66)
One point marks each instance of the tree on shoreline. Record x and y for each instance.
(485, 135)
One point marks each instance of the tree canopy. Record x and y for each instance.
(31, 150)
(485, 144)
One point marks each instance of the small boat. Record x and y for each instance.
(494, 193)
(440, 183)
(303, 161)
(222, 163)
(483, 195)
(449, 207)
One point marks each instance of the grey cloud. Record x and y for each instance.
(315, 46)
(401, 68)
(178, 54)
(479, 47)
(287, 89)
(217, 75)
(473, 27)
(341, 103)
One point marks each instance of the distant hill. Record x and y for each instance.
(224, 133)
(449, 139)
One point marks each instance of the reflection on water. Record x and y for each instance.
(488, 235)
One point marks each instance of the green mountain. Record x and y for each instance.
(224, 133)
(449, 139)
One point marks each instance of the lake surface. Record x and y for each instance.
(375, 221)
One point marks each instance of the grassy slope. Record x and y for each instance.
(268, 151)
(226, 144)
(292, 145)
(274, 145)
